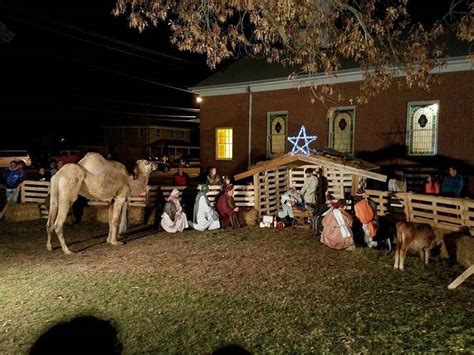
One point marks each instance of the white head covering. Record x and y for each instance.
(174, 194)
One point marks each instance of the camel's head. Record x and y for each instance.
(146, 167)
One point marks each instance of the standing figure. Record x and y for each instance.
(308, 191)
(204, 216)
(432, 186)
(453, 183)
(213, 178)
(337, 232)
(181, 178)
(227, 210)
(13, 176)
(173, 218)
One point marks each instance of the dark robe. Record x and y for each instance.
(170, 209)
(225, 208)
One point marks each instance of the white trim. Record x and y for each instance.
(408, 128)
(343, 76)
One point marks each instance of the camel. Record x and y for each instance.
(94, 177)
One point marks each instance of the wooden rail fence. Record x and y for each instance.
(440, 212)
(37, 191)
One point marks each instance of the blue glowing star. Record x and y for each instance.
(306, 139)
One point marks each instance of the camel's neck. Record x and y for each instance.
(139, 184)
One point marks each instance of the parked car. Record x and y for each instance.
(6, 156)
(67, 156)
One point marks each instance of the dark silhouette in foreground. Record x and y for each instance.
(81, 335)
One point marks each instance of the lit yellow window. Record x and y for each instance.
(223, 143)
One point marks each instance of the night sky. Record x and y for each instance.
(61, 77)
(56, 81)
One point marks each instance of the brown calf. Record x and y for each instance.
(414, 236)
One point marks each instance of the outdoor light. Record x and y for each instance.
(304, 148)
(199, 99)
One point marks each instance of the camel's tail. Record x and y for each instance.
(53, 201)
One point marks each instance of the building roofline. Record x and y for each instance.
(453, 64)
(149, 126)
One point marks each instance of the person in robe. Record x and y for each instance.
(227, 210)
(204, 216)
(288, 200)
(366, 212)
(308, 190)
(366, 215)
(213, 178)
(337, 224)
(321, 212)
(173, 218)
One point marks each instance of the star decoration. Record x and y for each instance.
(306, 139)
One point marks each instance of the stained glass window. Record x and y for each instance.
(224, 143)
(422, 128)
(277, 133)
(341, 130)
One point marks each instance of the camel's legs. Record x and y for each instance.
(111, 214)
(124, 219)
(427, 255)
(117, 214)
(64, 206)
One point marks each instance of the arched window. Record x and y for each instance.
(422, 128)
(277, 133)
(341, 129)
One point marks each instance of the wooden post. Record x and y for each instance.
(256, 191)
(23, 192)
(355, 184)
(461, 278)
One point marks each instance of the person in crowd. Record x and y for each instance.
(213, 178)
(432, 186)
(322, 211)
(53, 167)
(180, 178)
(308, 190)
(60, 164)
(288, 200)
(452, 184)
(204, 216)
(337, 232)
(397, 183)
(13, 177)
(227, 210)
(173, 218)
(43, 175)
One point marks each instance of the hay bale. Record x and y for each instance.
(250, 216)
(136, 215)
(100, 213)
(20, 212)
(465, 251)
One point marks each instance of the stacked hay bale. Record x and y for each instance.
(100, 213)
(465, 251)
(21, 212)
(249, 216)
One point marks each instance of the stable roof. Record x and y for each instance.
(341, 162)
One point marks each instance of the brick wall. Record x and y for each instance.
(376, 123)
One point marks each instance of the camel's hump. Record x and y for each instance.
(96, 162)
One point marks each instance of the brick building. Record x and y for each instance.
(249, 109)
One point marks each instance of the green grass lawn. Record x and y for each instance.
(266, 290)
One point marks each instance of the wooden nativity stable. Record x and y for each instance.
(340, 175)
